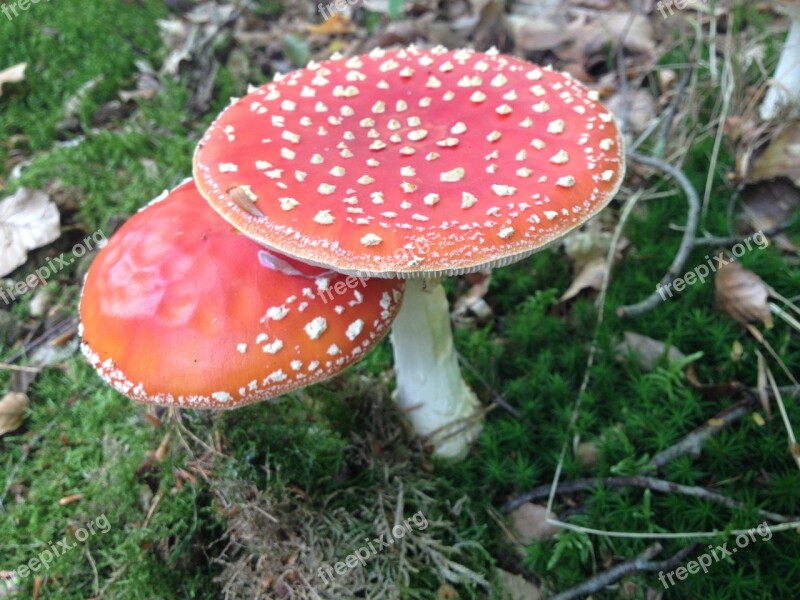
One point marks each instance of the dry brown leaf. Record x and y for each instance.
(767, 205)
(516, 587)
(529, 523)
(28, 220)
(591, 277)
(13, 74)
(742, 294)
(12, 411)
(640, 106)
(781, 158)
(646, 351)
(471, 307)
(588, 454)
(337, 24)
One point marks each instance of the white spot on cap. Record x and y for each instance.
(222, 397)
(524, 172)
(417, 135)
(431, 199)
(407, 171)
(326, 189)
(288, 154)
(538, 144)
(317, 159)
(288, 203)
(541, 107)
(607, 175)
(467, 200)
(337, 171)
(458, 128)
(503, 109)
(276, 313)
(288, 105)
(379, 107)
(324, 217)
(354, 329)
(371, 240)
(316, 328)
(296, 365)
(365, 180)
(241, 348)
(228, 168)
(550, 214)
(556, 126)
(499, 80)
(606, 144)
(504, 190)
(453, 176)
(273, 347)
(560, 158)
(478, 97)
(333, 350)
(493, 136)
(506, 232)
(566, 181)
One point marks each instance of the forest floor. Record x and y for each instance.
(671, 429)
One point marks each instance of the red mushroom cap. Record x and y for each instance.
(412, 162)
(180, 309)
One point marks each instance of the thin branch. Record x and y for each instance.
(641, 481)
(642, 563)
(687, 243)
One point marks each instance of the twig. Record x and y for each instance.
(694, 441)
(641, 481)
(641, 563)
(687, 243)
(497, 397)
(7, 367)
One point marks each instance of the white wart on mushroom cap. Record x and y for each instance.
(412, 162)
(179, 309)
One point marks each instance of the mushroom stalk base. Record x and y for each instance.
(431, 392)
(785, 87)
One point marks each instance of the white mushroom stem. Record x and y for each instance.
(431, 392)
(785, 85)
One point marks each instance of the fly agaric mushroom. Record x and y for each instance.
(414, 164)
(179, 309)
(785, 85)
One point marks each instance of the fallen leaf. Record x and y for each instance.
(471, 307)
(13, 74)
(529, 523)
(781, 157)
(71, 499)
(337, 24)
(590, 277)
(742, 294)
(767, 205)
(28, 220)
(646, 351)
(12, 411)
(638, 106)
(588, 454)
(516, 587)
(447, 592)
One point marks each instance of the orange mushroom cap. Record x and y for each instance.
(412, 163)
(180, 309)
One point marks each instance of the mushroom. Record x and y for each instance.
(785, 85)
(181, 310)
(414, 164)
